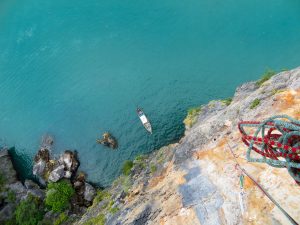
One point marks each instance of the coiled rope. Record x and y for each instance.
(277, 140)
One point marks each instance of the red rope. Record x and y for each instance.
(271, 143)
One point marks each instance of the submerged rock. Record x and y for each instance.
(47, 142)
(108, 140)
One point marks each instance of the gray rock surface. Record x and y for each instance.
(6, 167)
(7, 212)
(39, 168)
(89, 192)
(57, 174)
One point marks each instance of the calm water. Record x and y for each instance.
(75, 69)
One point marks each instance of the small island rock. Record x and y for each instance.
(108, 140)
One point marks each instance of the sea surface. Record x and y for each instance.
(75, 69)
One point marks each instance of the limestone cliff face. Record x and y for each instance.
(196, 182)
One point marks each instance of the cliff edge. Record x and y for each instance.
(196, 181)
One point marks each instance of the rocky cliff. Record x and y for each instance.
(196, 181)
(12, 191)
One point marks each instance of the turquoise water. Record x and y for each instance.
(75, 69)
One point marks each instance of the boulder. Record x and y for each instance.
(42, 155)
(89, 192)
(34, 189)
(17, 188)
(29, 184)
(7, 212)
(39, 168)
(57, 173)
(39, 193)
(68, 174)
(70, 161)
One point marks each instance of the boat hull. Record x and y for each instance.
(145, 121)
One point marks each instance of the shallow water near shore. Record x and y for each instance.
(77, 69)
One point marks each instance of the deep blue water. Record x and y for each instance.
(75, 69)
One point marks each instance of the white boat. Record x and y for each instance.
(144, 120)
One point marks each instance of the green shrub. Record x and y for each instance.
(191, 118)
(255, 103)
(28, 212)
(99, 220)
(140, 161)
(11, 196)
(61, 219)
(227, 101)
(58, 195)
(140, 158)
(265, 77)
(127, 167)
(45, 222)
(11, 221)
(114, 210)
(153, 168)
(276, 91)
(101, 195)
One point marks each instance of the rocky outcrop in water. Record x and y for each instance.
(14, 193)
(47, 168)
(108, 140)
(196, 181)
(50, 169)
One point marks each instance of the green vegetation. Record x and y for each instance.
(11, 196)
(126, 183)
(61, 219)
(101, 195)
(276, 91)
(140, 158)
(153, 168)
(160, 157)
(123, 181)
(127, 167)
(255, 103)
(140, 161)
(212, 104)
(227, 101)
(114, 210)
(28, 212)
(191, 118)
(2, 181)
(58, 196)
(99, 220)
(265, 77)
